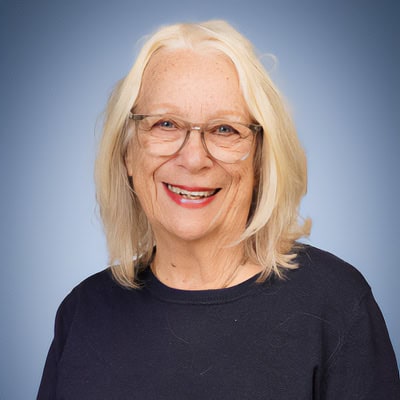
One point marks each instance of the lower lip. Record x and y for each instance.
(188, 203)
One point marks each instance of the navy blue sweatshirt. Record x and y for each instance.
(316, 335)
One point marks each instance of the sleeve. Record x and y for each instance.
(64, 318)
(364, 366)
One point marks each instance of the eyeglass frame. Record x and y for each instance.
(192, 126)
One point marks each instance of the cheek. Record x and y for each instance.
(142, 176)
(245, 178)
(141, 163)
(241, 188)
(247, 186)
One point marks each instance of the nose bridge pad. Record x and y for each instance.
(200, 130)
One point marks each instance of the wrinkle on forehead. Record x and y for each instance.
(180, 76)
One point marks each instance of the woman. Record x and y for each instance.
(199, 177)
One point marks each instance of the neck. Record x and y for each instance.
(199, 266)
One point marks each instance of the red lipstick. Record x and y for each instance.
(190, 196)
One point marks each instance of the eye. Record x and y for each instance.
(225, 130)
(166, 124)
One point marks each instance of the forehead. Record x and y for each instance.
(190, 79)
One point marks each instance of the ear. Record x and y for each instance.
(129, 160)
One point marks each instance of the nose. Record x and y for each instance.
(193, 155)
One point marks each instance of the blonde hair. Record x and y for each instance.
(280, 165)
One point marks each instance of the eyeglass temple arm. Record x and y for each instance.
(136, 117)
(256, 128)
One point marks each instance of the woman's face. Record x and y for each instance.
(198, 87)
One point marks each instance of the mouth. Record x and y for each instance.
(194, 194)
(191, 197)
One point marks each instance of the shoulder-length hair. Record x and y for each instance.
(280, 164)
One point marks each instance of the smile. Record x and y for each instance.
(190, 197)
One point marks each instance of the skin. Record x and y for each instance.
(194, 238)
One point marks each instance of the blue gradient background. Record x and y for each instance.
(338, 67)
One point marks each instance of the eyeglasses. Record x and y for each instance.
(165, 135)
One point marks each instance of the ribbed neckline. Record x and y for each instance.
(210, 296)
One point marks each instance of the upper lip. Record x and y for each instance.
(192, 188)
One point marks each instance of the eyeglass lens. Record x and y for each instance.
(164, 135)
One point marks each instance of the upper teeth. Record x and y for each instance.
(184, 192)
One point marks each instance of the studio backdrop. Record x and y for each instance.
(337, 64)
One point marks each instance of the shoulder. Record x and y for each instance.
(325, 284)
(329, 272)
(362, 358)
(93, 285)
(92, 294)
